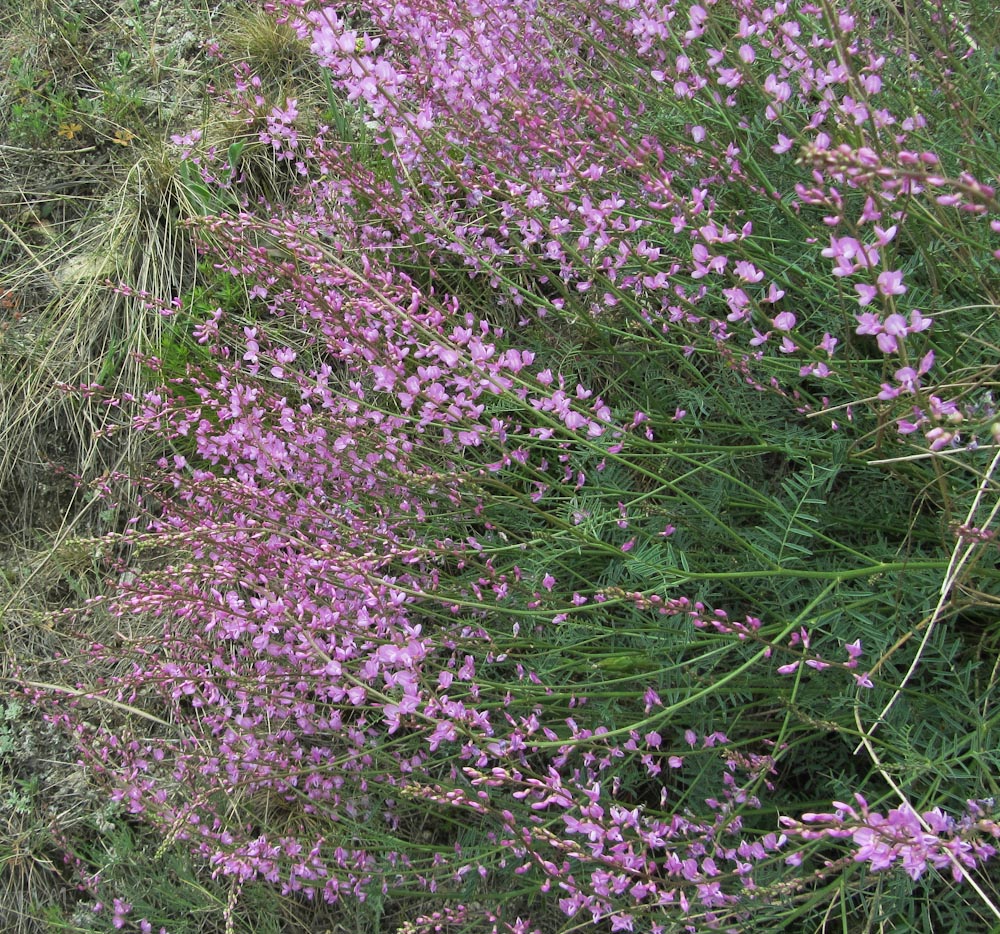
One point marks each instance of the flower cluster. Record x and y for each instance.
(917, 841)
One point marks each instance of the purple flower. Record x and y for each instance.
(866, 293)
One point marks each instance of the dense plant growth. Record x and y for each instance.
(576, 499)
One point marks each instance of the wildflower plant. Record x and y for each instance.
(587, 517)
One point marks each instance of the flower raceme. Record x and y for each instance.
(917, 842)
(582, 221)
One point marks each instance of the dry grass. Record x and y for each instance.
(274, 50)
(71, 329)
(72, 221)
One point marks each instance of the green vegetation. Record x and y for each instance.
(515, 485)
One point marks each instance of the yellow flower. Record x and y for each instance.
(123, 137)
(69, 130)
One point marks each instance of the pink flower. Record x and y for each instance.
(887, 343)
(783, 145)
(828, 344)
(868, 323)
(890, 282)
(882, 237)
(773, 294)
(866, 293)
(850, 255)
(122, 909)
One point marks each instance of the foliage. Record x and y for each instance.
(587, 512)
